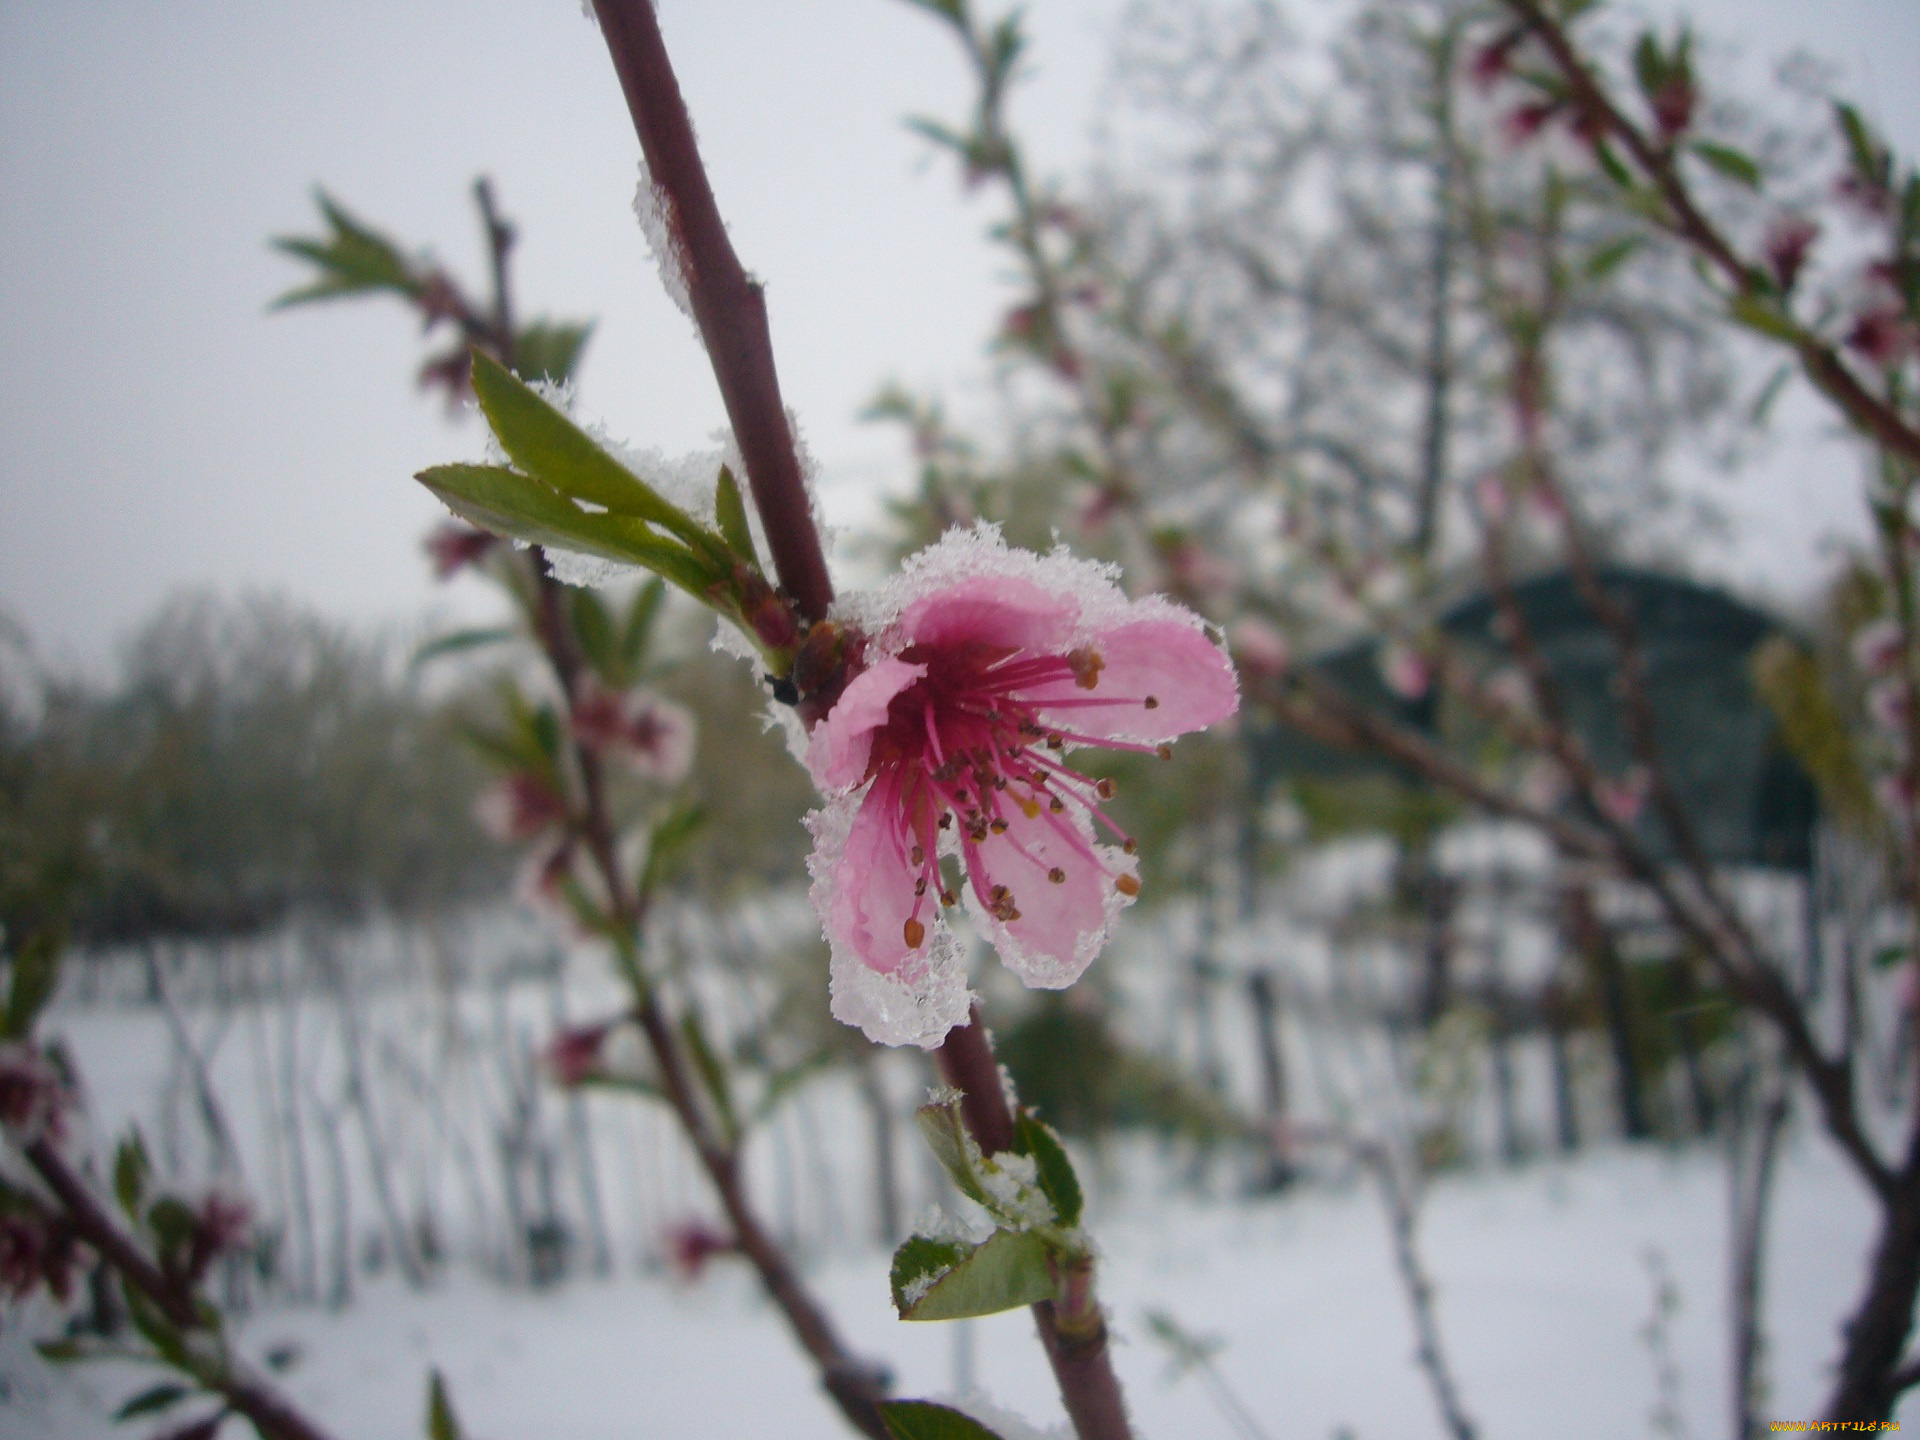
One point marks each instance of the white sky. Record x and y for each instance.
(159, 428)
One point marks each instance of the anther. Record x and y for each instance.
(920, 887)
(919, 856)
(1105, 789)
(1130, 845)
(948, 898)
(1056, 741)
(915, 932)
(1056, 805)
(946, 819)
(1057, 875)
(1152, 702)
(1127, 885)
(1165, 752)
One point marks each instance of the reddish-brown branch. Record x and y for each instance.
(728, 304)
(252, 1398)
(1820, 362)
(1072, 1329)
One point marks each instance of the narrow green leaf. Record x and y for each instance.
(460, 641)
(1764, 316)
(441, 1424)
(35, 972)
(1729, 162)
(1007, 1271)
(60, 1352)
(1649, 65)
(131, 1169)
(1612, 255)
(1034, 1137)
(731, 512)
(946, 1135)
(546, 444)
(546, 351)
(172, 1222)
(1762, 407)
(712, 1073)
(639, 627)
(924, 1420)
(669, 842)
(158, 1331)
(1611, 163)
(593, 627)
(508, 503)
(1888, 956)
(155, 1398)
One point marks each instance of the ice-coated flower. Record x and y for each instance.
(984, 667)
(648, 732)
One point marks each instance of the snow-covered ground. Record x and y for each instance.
(1545, 1294)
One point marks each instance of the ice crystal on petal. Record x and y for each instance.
(985, 667)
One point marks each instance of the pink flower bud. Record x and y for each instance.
(1882, 335)
(453, 547)
(519, 807)
(573, 1057)
(645, 731)
(1673, 106)
(691, 1244)
(1788, 239)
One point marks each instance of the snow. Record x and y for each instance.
(1543, 1284)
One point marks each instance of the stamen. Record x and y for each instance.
(915, 932)
(1130, 845)
(1057, 875)
(919, 857)
(999, 827)
(1165, 752)
(1105, 788)
(1127, 885)
(1152, 702)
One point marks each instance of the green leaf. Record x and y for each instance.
(712, 1073)
(172, 1222)
(352, 260)
(543, 442)
(946, 1135)
(1763, 316)
(668, 842)
(1762, 407)
(60, 1352)
(924, 1420)
(131, 1170)
(1033, 1137)
(1610, 256)
(461, 641)
(1731, 163)
(731, 512)
(158, 1397)
(546, 351)
(156, 1328)
(1611, 163)
(441, 1424)
(951, 1280)
(593, 627)
(508, 503)
(1649, 65)
(639, 627)
(1889, 956)
(35, 972)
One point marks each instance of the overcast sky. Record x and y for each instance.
(158, 428)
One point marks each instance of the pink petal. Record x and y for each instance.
(992, 610)
(872, 885)
(837, 753)
(1170, 660)
(1063, 924)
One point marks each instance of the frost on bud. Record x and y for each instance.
(453, 547)
(519, 807)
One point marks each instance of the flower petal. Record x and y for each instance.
(863, 893)
(1166, 658)
(837, 753)
(1062, 924)
(995, 610)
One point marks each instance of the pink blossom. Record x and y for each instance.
(984, 666)
(224, 1223)
(519, 807)
(1878, 646)
(648, 732)
(453, 547)
(1622, 800)
(1882, 335)
(691, 1244)
(1407, 672)
(31, 1093)
(573, 1056)
(1260, 649)
(1788, 239)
